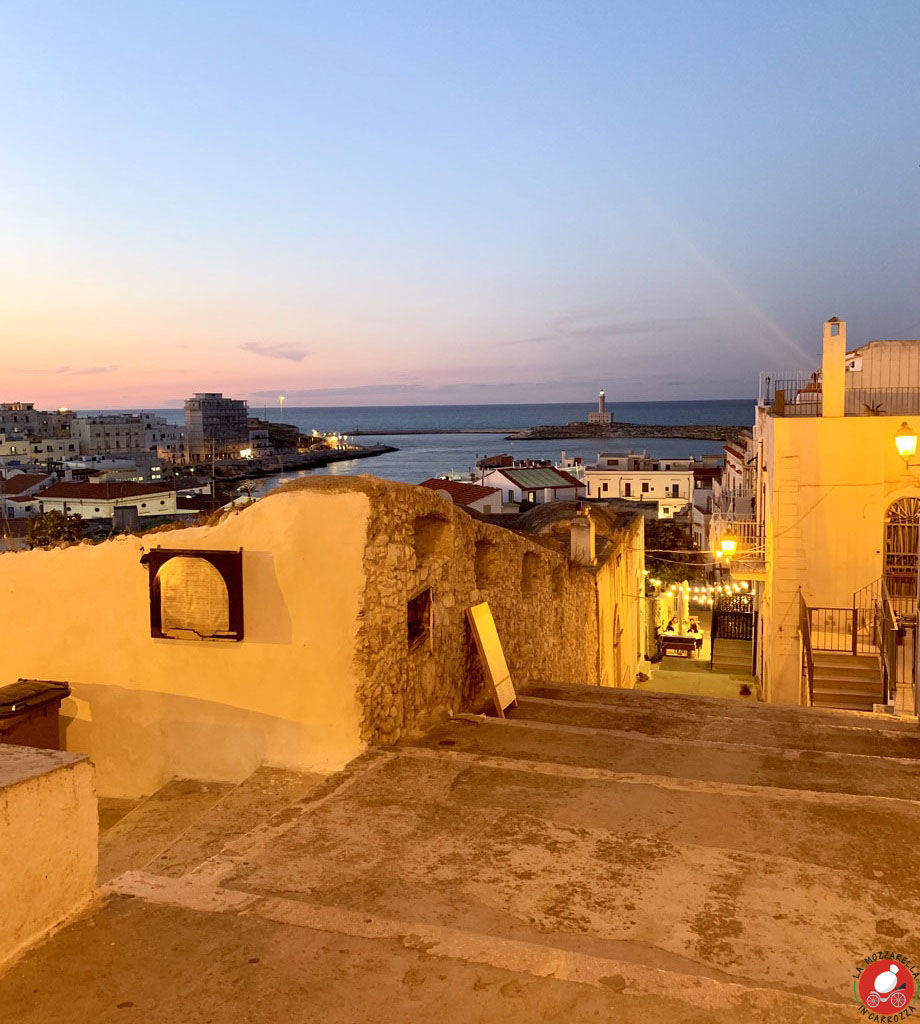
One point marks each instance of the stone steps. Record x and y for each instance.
(846, 681)
(265, 794)
(155, 823)
(185, 822)
(683, 858)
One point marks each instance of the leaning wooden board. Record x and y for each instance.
(492, 655)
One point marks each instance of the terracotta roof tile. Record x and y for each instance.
(103, 492)
(22, 482)
(460, 493)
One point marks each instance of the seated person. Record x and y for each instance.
(694, 627)
(673, 626)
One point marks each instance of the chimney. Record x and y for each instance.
(833, 367)
(581, 539)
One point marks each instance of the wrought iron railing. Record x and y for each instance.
(808, 657)
(843, 630)
(888, 635)
(733, 618)
(881, 401)
(802, 395)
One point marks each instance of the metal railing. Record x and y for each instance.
(888, 634)
(801, 395)
(733, 618)
(843, 630)
(881, 401)
(808, 657)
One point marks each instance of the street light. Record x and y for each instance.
(728, 544)
(906, 441)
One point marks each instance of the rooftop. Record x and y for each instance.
(104, 492)
(460, 493)
(21, 482)
(601, 854)
(537, 478)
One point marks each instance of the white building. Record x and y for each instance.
(98, 501)
(534, 486)
(123, 433)
(18, 493)
(634, 475)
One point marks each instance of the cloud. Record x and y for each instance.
(563, 328)
(276, 350)
(90, 371)
(71, 371)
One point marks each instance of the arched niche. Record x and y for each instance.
(195, 595)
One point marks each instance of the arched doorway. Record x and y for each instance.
(902, 536)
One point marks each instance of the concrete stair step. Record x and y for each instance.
(732, 664)
(704, 709)
(155, 823)
(256, 800)
(785, 734)
(679, 758)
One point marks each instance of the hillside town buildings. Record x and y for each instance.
(253, 816)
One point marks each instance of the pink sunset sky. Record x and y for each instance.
(410, 203)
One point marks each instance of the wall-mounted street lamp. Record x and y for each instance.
(728, 544)
(906, 441)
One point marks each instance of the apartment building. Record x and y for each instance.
(215, 424)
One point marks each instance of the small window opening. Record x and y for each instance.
(419, 618)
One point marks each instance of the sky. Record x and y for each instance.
(431, 202)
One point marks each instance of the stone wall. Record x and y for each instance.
(327, 663)
(544, 608)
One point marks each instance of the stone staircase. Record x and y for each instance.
(187, 821)
(847, 681)
(599, 854)
(733, 657)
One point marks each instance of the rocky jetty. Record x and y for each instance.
(693, 432)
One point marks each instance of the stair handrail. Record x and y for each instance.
(808, 653)
(886, 630)
(713, 631)
(865, 600)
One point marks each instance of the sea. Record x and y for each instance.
(425, 455)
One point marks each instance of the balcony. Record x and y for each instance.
(801, 395)
(749, 560)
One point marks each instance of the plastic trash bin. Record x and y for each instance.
(29, 710)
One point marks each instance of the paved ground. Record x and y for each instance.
(694, 677)
(602, 855)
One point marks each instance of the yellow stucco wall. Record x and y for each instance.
(147, 710)
(826, 485)
(620, 625)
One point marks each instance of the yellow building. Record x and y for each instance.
(833, 546)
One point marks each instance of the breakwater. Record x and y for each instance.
(688, 431)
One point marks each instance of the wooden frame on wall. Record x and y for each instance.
(229, 566)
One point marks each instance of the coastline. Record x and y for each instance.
(292, 463)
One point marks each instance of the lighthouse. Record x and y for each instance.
(601, 417)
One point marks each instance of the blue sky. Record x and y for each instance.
(391, 203)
